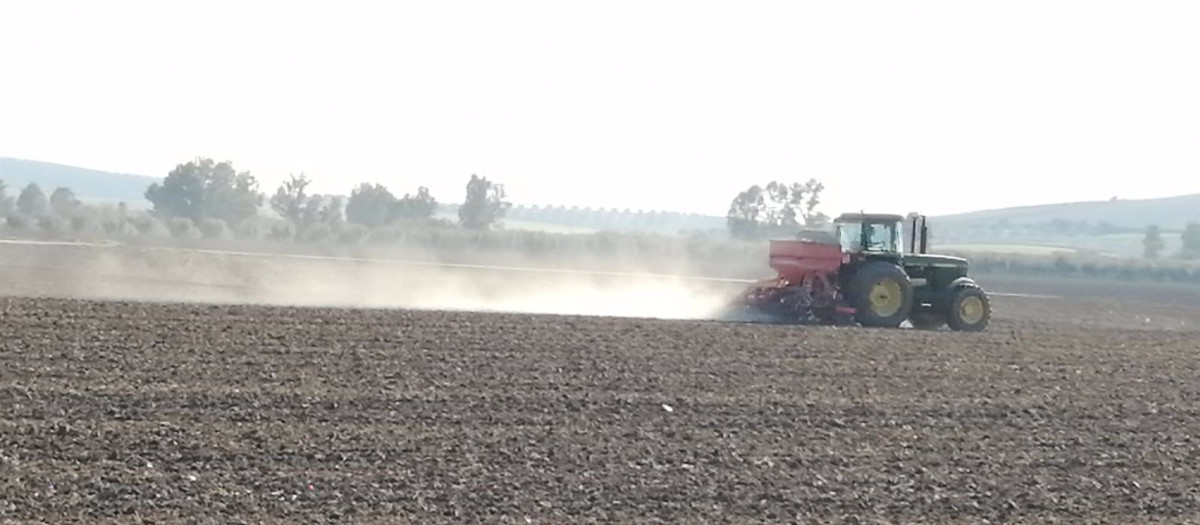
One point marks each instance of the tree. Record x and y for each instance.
(330, 209)
(370, 206)
(64, 203)
(1153, 242)
(776, 207)
(321, 212)
(744, 213)
(806, 197)
(204, 189)
(32, 201)
(373, 206)
(303, 211)
(416, 207)
(1191, 239)
(290, 199)
(484, 205)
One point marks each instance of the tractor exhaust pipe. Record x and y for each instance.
(916, 237)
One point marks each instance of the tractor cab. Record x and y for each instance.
(869, 233)
(882, 234)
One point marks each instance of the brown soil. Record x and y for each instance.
(1064, 410)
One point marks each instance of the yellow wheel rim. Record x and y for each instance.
(886, 298)
(970, 310)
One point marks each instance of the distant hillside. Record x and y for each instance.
(1115, 228)
(88, 185)
(1170, 213)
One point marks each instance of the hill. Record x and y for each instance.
(89, 185)
(1114, 228)
(1170, 213)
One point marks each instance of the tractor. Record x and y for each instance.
(869, 269)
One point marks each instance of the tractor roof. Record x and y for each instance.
(869, 217)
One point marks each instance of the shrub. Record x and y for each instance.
(52, 224)
(182, 228)
(351, 234)
(248, 230)
(149, 226)
(213, 229)
(283, 232)
(318, 233)
(17, 221)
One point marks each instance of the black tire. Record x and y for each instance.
(927, 319)
(862, 287)
(968, 309)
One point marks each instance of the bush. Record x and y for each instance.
(213, 229)
(385, 235)
(283, 232)
(17, 221)
(318, 233)
(52, 224)
(119, 228)
(182, 228)
(352, 234)
(148, 226)
(249, 230)
(82, 224)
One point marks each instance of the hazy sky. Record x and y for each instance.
(896, 106)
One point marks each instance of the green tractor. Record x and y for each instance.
(872, 269)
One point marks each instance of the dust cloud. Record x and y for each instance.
(183, 275)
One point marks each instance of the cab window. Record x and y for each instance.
(881, 238)
(850, 237)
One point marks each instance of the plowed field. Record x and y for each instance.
(1067, 411)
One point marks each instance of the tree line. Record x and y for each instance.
(205, 198)
(32, 201)
(205, 190)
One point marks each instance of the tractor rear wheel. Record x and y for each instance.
(881, 294)
(968, 309)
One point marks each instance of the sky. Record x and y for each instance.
(936, 107)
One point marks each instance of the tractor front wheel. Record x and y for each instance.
(881, 294)
(969, 309)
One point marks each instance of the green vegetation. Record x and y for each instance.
(205, 190)
(374, 206)
(1153, 242)
(32, 201)
(1191, 241)
(777, 209)
(485, 204)
(1084, 266)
